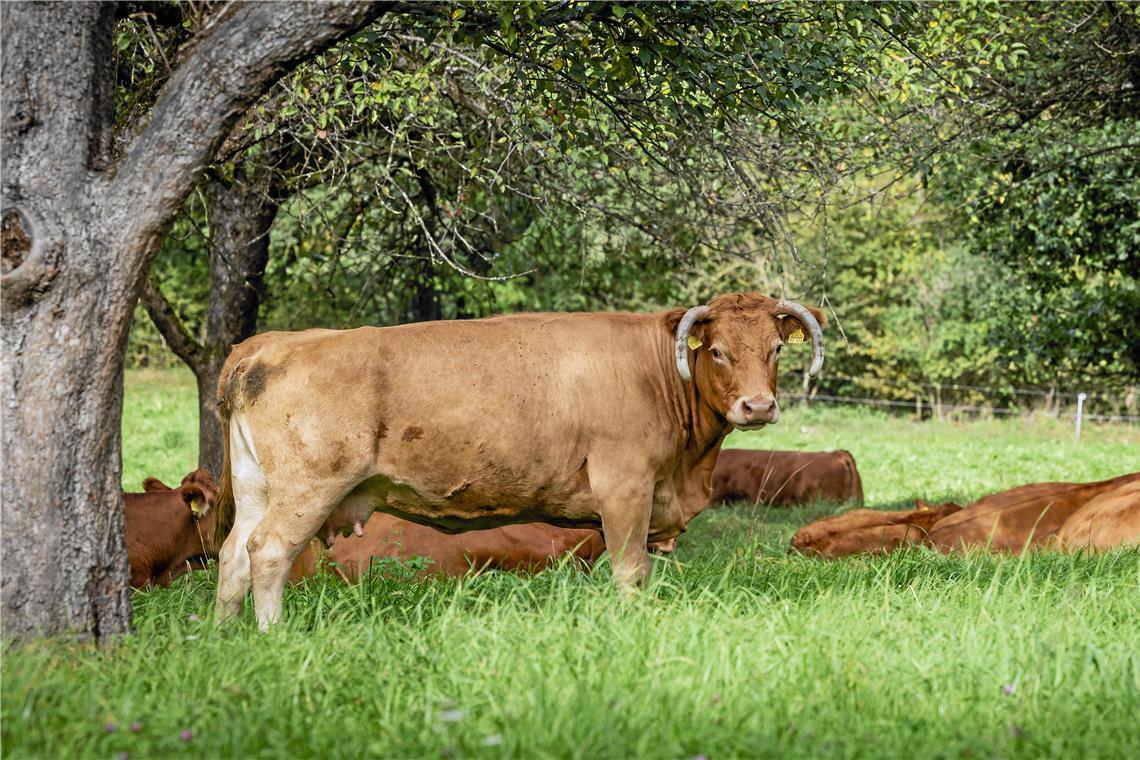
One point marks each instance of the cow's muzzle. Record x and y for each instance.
(755, 412)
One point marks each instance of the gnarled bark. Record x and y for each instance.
(80, 230)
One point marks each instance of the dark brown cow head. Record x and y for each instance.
(198, 490)
(736, 342)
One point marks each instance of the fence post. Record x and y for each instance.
(1080, 408)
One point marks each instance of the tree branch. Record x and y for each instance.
(162, 315)
(245, 48)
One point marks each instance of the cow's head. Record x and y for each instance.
(199, 491)
(736, 342)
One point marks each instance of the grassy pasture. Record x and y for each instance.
(736, 649)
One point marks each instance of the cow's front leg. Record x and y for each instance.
(625, 532)
(625, 506)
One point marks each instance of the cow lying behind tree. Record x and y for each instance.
(529, 547)
(786, 478)
(170, 530)
(578, 420)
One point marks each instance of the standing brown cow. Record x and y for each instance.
(786, 478)
(170, 530)
(529, 547)
(1019, 518)
(573, 419)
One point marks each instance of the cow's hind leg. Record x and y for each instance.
(251, 502)
(295, 515)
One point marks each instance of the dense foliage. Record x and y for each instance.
(956, 184)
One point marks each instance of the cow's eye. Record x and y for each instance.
(715, 352)
(778, 347)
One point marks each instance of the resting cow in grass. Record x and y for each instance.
(529, 547)
(786, 478)
(170, 530)
(869, 531)
(581, 420)
(1019, 518)
(1108, 521)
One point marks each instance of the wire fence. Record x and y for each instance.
(956, 400)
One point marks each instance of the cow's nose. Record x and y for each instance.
(760, 408)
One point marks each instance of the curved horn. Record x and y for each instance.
(791, 307)
(680, 345)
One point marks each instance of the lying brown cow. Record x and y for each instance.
(786, 478)
(1110, 520)
(170, 530)
(529, 547)
(869, 531)
(1019, 518)
(580, 420)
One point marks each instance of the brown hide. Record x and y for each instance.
(578, 420)
(164, 537)
(1018, 518)
(786, 478)
(1110, 520)
(869, 531)
(528, 547)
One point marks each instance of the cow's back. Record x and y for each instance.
(786, 478)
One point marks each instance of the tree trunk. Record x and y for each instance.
(240, 215)
(425, 297)
(77, 241)
(65, 315)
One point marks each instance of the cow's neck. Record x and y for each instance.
(707, 429)
(703, 428)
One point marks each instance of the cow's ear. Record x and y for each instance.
(672, 319)
(197, 499)
(698, 333)
(154, 484)
(792, 330)
(921, 505)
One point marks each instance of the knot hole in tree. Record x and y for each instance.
(15, 242)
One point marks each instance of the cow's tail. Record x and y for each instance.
(856, 494)
(225, 505)
(224, 522)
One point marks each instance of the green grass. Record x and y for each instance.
(160, 426)
(736, 649)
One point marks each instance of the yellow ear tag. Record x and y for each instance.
(797, 336)
(694, 342)
(195, 505)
